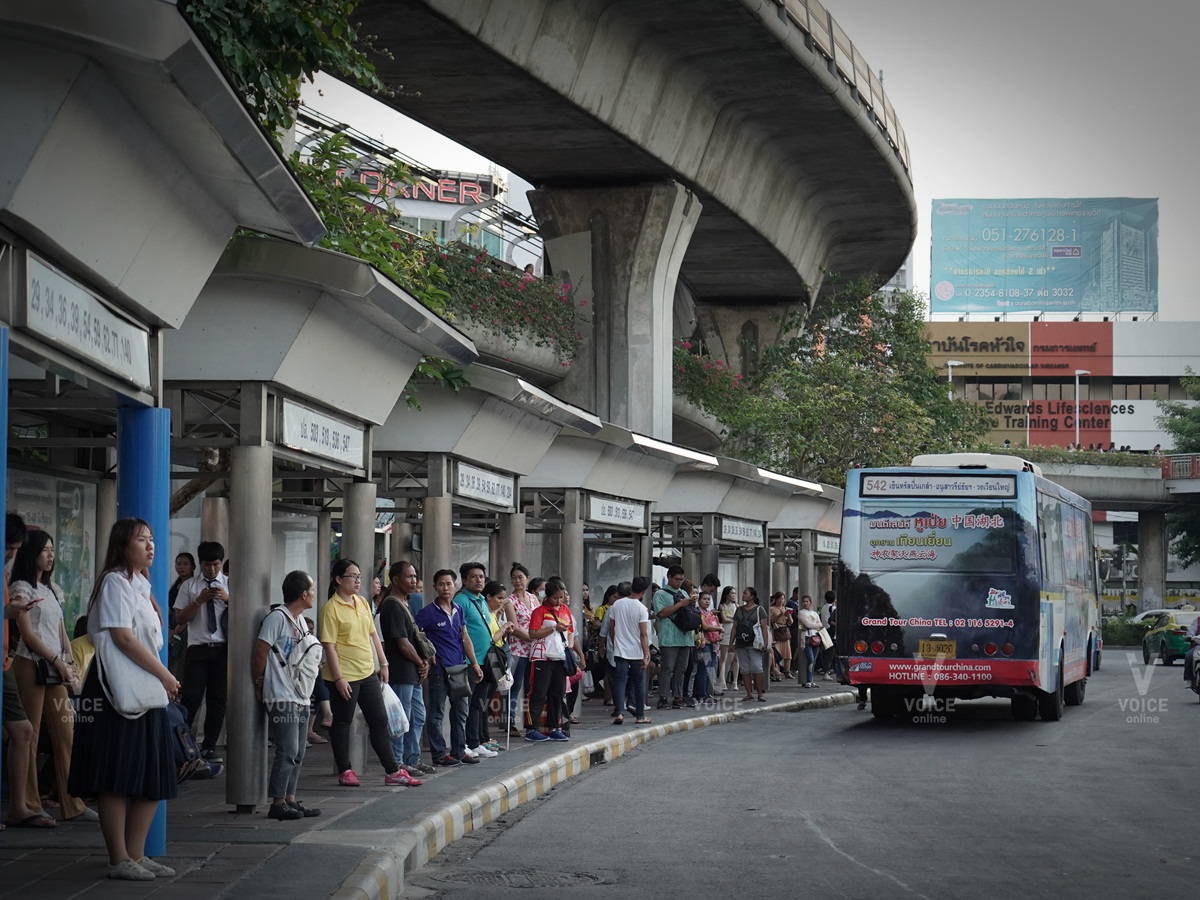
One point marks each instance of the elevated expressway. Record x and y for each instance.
(742, 148)
(1169, 483)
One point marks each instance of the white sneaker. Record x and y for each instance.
(467, 751)
(482, 751)
(155, 868)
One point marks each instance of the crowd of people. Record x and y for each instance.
(490, 654)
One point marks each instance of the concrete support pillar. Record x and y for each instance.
(320, 575)
(437, 530)
(214, 522)
(400, 543)
(358, 528)
(106, 516)
(808, 570)
(571, 552)
(511, 544)
(692, 565)
(248, 514)
(1152, 559)
(710, 550)
(762, 573)
(643, 555)
(779, 568)
(621, 248)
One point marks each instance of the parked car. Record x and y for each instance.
(1151, 616)
(1167, 638)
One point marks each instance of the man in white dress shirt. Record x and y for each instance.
(202, 604)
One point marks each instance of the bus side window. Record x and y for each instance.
(1050, 523)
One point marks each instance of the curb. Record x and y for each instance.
(380, 875)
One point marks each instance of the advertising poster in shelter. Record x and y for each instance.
(65, 508)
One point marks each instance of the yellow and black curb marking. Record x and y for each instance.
(380, 875)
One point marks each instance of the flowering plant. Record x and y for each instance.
(709, 383)
(510, 304)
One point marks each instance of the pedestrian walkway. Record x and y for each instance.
(365, 838)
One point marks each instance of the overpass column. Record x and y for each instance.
(620, 248)
(1152, 559)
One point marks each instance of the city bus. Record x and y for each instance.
(966, 575)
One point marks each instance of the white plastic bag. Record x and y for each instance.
(397, 720)
(589, 683)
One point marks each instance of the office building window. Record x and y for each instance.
(1061, 390)
(986, 389)
(1128, 389)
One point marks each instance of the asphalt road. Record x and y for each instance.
(830, 803)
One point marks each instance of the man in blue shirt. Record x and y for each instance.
(475, 612)
(442, 623)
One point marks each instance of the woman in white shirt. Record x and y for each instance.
(44, 667)
(128, 763)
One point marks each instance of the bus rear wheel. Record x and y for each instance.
(1051, 703)
(1024, 709)
(1075, 691)
(885, 703)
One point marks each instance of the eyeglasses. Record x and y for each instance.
(352, 577)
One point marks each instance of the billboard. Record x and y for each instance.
(1044, 255)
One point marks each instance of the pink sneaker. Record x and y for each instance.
(403, 779)
(348, 779)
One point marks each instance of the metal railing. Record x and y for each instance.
(824, 36)
(1181, 465)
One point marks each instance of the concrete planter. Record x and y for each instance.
(539, 365)
(693, 427)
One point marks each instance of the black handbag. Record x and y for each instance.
(458, 682)
(570, 663)
(46, 673)
(495, 663)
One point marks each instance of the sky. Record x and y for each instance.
(1024, 98)
(1053, 98)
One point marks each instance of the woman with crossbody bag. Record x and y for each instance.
(810, 637)
(45, 668)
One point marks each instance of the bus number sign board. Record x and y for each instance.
(911, 485)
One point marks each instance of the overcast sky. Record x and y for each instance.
(1053, 98)
(1022, 98)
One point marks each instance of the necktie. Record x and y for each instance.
(210, 616)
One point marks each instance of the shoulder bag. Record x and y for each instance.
(458, 682)
(130, 689)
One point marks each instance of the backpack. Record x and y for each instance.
(422, 644)
(304, 662)
(746, 629)
(686, 618)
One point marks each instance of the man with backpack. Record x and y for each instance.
(287, 657)
(674, 644)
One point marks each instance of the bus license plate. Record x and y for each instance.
(936, 649)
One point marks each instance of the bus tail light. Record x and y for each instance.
(860, 646)
(1008, 649)
(877, 646)
(989, 648)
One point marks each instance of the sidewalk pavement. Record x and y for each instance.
(367, 837)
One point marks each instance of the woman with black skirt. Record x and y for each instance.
(127, 764)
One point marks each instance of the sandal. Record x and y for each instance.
(315, 738)
(748, 697)
(37, 820)
(644, 722)
(619, 720)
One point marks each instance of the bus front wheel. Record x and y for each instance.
(1024, 709)
(1051, 703)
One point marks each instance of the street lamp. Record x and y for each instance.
(950, 364)
(1078, 372)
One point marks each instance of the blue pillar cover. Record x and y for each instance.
(144, 491)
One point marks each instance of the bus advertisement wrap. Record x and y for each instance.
(1044, 254)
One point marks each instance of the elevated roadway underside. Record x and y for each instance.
(720, 95)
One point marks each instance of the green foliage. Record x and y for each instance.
(708, 383)
(1123, 633)
(513, 306)
(1182, 422)
(852, 385)
(1061, 455)
(267, 46)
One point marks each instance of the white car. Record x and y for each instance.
(1155, 613)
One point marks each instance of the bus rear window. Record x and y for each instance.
(950, 537)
